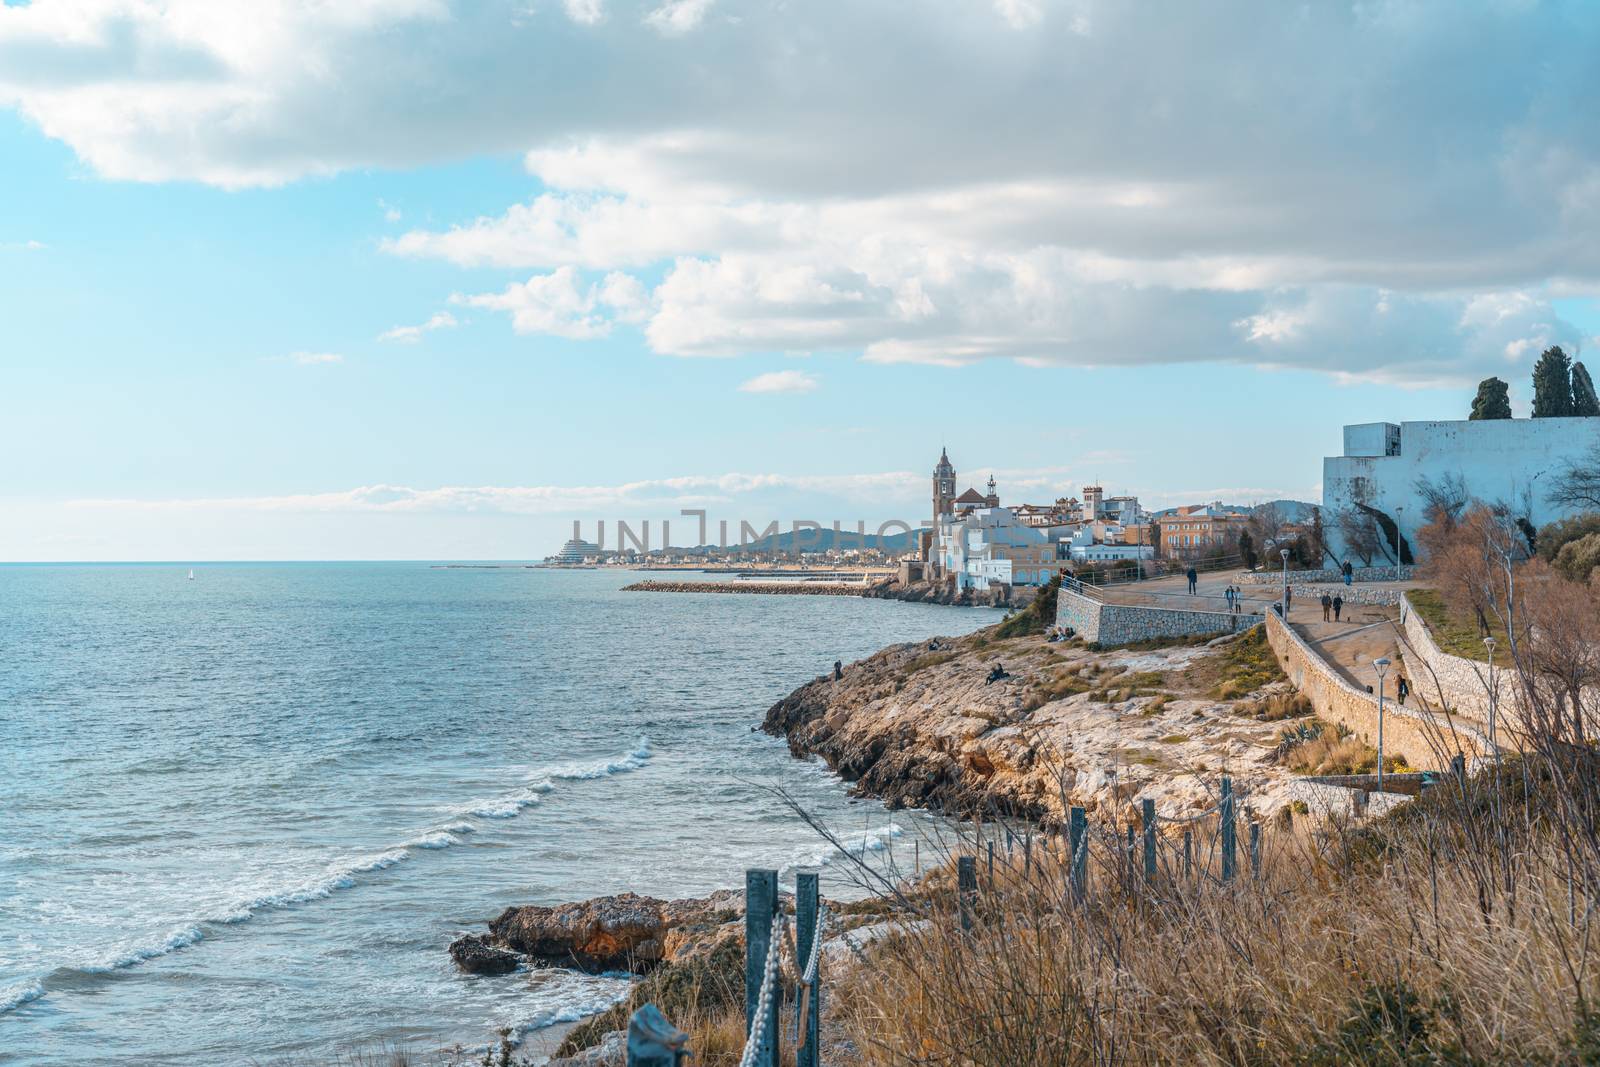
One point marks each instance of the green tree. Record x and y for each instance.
(1492, 401)
(1552, 385)
(1247, 550)
(1584, 400)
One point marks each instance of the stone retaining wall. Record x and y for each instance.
(1424, 740)
(1125, 624)
(1353, 594)
(1442, 678)
(1361, 574)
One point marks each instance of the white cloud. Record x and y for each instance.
(23, 246)
(1004, 183)
(559, 303)
(677, 17)
(780, 381)
(439, 320)
(315, 359)
(585, 12)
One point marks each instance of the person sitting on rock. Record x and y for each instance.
(838, 669)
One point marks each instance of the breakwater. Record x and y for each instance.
(796, 588)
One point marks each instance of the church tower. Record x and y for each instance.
(944, 488)
(993, 498)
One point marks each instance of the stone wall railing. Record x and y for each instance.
(1360, 574)
(1352, 594)
(1124, 624)
(1442, 678)
(1425, 741)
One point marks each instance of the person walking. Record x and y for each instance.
(1288, 600)
(1338, 606)
(1349, 572)
(1194, 579)
(1327, 607)
(1229, 595)
(1402, 689)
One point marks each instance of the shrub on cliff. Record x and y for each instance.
(1037, 617)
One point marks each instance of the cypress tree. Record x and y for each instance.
(1584, 401)
(1492, 401)
(1552, 385)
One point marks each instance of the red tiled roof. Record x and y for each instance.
(971, 496)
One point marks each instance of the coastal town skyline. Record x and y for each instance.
(292, 332)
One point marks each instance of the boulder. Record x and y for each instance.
(612, 1051)
(612, 933)
(475, 955)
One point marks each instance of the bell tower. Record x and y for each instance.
(944, 488)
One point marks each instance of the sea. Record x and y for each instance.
(242, 816)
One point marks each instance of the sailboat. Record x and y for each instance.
(191, 576)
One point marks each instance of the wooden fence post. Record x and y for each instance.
(966, 888)
(760, 901)
(807, 897)
(1078, 840)
(1188, 853)
(1149, 813)
(1027, 855)
(1255, 850)
(991, 865)
(1228, 843)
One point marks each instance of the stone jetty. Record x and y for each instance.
(800, 588)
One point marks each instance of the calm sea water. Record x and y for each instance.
(241, 817)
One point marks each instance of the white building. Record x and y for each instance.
(987, 545)
(1509, 461)
(575, 552)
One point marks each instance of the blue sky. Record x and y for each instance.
(208, 225)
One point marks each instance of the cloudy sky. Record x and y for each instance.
(431, 279)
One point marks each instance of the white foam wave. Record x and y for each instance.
(441, 839)
(588, 771)
(181, 938)
(315, 889)
(508, 807)
(876, 839)
(15, 996)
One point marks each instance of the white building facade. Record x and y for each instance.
(1513, 462)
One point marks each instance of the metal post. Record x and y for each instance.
(1255, 850)
(1078, 840)
(1188, 852)
(1149, 813)
(916, 857)
(1027, 855)
(966, 888)
(760, 899)
(807, 897)
(1284, 552)
(991, 865)
(1228, 843)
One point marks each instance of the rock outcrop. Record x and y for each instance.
(921, 725)
(625, 932)
(474, 955)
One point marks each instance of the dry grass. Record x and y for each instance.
(1394, 945)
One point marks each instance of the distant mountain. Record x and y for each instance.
(819, 541)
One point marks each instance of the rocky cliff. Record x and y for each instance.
(1026, 727)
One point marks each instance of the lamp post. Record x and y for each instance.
(1284, 552)
(1494, 700)
(1382, 663)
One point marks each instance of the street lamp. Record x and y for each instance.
(1494, 700)
(1382, 663)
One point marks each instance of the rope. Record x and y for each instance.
(755, 1041)
(816, 946)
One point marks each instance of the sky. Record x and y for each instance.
(424, 279)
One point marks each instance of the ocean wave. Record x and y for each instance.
(439, 839)
(315, 889)
(876, 839)
(578, 772)
(509, 807)
(15, 996)
(181, 938)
